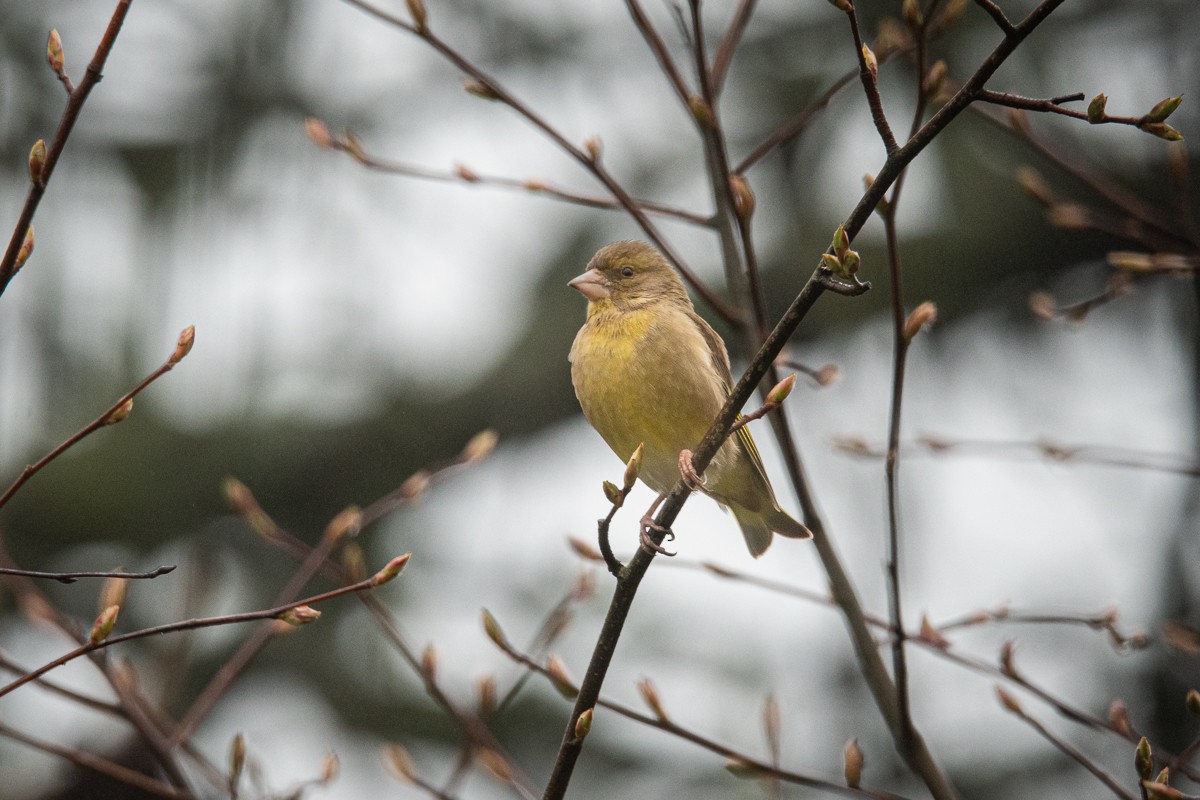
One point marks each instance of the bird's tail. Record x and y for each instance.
(757, 527)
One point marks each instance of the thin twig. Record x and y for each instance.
(192, 624)
(75, 103)
(1067, 748)
(98, 764)
(537, 186)
(589, 161)
(869, 79)
(109, 417)
(741, 763)
(729, 43)
(71, 577)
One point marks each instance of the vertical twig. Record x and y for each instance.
(75, 103)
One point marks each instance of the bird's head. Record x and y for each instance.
(630, 275)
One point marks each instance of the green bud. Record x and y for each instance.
(1163, 109)
(1143, 759)
(1162, 130)
(493, 630)
(613, 494)
(1095, 112)
(583, 725)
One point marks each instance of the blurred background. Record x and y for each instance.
(353, 327)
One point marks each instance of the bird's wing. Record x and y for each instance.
(720, 362)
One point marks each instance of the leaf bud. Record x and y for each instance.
(742, 769)
(346, 524)
(419, 15)
(481, 90)
(1163, 109)
(781, 390)
(187, 338)
(593, 147)
(112, 592)
(104, 624)
(390, 570)
(120, 413)
(701, 111)
(853, 762)
(54, 52)
(935, 77)
(37, 160)
(650, 695)
(1192, 701)
(331, 766)
(25, 251)
(613, 494)
(583, 725)
(318, 133)
(429, 662)
(584, 549)
(556, 670)
(1035, 185)
(870, 62)
(237, 758)
(1095, 112)
(400, 762)
(493, 630)
(743, 196)
(1008, 701)
(480, 446)
(485, 690)
(465, 173)
(300, 615)
(924, 314)
(931, 635)
(1162, 130)
(841, 242)
(634, 466)
(910, 11)
(1143, 759)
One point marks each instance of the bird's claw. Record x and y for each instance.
(692, 479)
(648, 542)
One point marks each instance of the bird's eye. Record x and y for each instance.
(627, 272)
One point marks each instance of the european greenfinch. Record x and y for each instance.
(647, 369)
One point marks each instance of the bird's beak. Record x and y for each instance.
(592, 285)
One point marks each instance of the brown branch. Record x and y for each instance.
(729, 43)
(346, 143)
(590, 161)
(1101, 455)
(1053, 105)
(103, 766)
(71, 577)
(998, 15)
(868, 76)
(740, 763)
(75, 103)
(1012, 706)
(659, 48)
(115, 413)
(277, 612)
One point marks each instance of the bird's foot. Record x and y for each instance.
(692, 479)
(647, 525)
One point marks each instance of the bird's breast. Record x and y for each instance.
(646, 376)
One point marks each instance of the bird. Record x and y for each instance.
(648, 370)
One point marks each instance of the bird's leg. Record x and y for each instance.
(648, 524)
(692, 479)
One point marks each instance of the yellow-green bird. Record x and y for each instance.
(647, 369)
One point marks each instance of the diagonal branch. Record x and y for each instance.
(74, 105)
